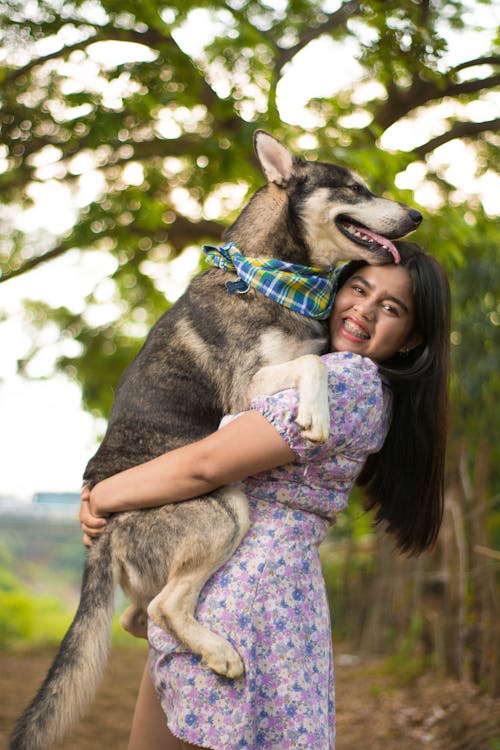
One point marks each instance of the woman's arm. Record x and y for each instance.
(247, 445)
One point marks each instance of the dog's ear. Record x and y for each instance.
(275, 160)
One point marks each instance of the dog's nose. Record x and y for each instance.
(415, 216)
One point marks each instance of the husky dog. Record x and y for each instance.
(197, 364)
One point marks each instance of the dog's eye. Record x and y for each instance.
(357, 188)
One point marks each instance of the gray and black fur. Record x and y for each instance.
(196, 365)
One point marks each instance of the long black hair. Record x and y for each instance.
(404, 481)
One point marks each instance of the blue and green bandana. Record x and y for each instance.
(309, 290)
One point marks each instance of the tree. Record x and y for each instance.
(164, 130)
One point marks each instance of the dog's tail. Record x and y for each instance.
(72, 679)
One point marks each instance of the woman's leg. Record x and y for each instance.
(149, 726)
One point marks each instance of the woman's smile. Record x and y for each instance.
(353, 330)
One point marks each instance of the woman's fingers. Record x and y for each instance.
(91, 529)
(91, 526)
(86, 517)
(85, 494)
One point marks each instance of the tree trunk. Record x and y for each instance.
(485, 630)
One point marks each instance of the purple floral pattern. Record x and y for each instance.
(269, 599)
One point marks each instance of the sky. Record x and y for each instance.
(46, 438)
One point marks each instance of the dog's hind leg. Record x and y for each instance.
(173, 610)
(195, 561)
(134, 620)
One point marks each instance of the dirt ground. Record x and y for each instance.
(374, 712)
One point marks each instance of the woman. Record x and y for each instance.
(388, 397)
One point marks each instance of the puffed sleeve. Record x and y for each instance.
(357, 409)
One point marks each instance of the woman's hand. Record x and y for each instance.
(91, 525)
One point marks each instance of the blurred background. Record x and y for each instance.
(126, 143)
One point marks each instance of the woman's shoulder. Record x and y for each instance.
(358, 380)
(349, 364)
(360, 404)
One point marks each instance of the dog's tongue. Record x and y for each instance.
(387, 244)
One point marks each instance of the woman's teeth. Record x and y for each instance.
(354, 330)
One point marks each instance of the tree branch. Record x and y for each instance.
(145, 151)
(34, 262)
(424, 11)
(459, 129)
(179, 234)
(13, 75)
(184, 232)
(486, 60)
(471, 87)
(149, 38)
(400, 101)
(333, 21)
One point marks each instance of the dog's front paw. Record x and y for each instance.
(259, 385)
(314, 421)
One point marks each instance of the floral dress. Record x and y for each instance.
(269, 599)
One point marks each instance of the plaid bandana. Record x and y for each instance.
(309, 290)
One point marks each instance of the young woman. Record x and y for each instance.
(388, 375)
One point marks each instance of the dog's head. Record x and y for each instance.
(337, 215)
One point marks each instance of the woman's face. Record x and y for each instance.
(373, 313)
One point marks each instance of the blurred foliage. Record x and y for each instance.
(29, 617)
(348, 564)
(24, 617)
(150, 134)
